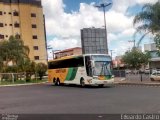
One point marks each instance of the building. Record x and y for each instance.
(25, 19)
(93, 41)
(68, 52)
(154, 62)
(150, 47)
(117, 63)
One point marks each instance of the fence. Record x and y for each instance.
(119, 73)
(132, 76)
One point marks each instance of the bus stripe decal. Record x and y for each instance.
(74, 72)
(71, 74)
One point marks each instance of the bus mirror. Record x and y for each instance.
(93, 63)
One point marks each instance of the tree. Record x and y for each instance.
(148, 20)
(18, 51)
(157, 41)
(28, 67)
(41, 69)
(136, 59)
(12, 50)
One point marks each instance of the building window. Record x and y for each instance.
(9, 13)
(6, 35)
(10, 24)
(34, 26)
(16, 25)
(34, 37)
(1, 24)
(4, 12)
(35, 47)
(36, 57)
(33, 15)
(15, 13)
(1, 36)
(1, 13)
(5, 24)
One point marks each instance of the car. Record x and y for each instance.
(147, 71)
(127, 71)
(155, 70)
(155, 76)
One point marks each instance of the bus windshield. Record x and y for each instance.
(102, 65)
(102, 68)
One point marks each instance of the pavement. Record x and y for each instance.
(26, 84)
(125, 81)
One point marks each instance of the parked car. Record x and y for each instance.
(155, 70)
(135, 71)
(155, 76)
(147, 71)
(127, 71)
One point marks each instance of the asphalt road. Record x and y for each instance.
(47, 99)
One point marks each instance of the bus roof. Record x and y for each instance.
(66, 57)
(74, 56)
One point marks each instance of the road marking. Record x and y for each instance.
(136, 85)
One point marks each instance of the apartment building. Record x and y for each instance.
(25, 19)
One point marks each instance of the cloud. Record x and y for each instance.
(65, 27)
(123, 5)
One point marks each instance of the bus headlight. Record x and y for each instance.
(89, 81)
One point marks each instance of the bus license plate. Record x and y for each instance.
(105, 82)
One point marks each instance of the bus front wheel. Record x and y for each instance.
(82, 82)
(101, 85)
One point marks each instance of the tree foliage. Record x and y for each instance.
(12, 50)
(148, 20)
(136, 59)
(41, 69)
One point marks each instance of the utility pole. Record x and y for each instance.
(104, 5)
(134, 41)
(111, 52)
(111, 57)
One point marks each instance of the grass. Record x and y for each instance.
(9, 82)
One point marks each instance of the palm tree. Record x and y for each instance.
(148, 20)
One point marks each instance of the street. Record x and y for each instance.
(47, 99)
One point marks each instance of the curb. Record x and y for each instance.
(12, 85)
(138, 84)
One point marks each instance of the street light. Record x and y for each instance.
(104, 5)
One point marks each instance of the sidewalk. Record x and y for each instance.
(25, 84)
(124, 81)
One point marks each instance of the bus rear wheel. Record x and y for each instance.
(57, 82)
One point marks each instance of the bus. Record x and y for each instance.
(87, 69)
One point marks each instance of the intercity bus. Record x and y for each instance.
(87, 69)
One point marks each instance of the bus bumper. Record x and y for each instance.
(109, 82)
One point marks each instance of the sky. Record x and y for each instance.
(65, 19)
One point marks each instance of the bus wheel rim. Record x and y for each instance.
(82, 83)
